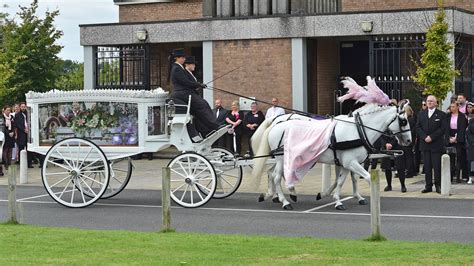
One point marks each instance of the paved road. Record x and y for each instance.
(437, 220)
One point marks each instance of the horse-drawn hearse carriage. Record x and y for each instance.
(88, 137)
(87, 151)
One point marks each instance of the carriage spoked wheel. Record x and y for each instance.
(66, 172)
(229, 175)
(120, 173)
(190, 175)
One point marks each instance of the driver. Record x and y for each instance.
(185, 84)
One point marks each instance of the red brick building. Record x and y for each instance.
(295, 50)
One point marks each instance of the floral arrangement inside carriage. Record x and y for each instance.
(105, 123)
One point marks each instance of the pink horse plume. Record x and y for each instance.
(368, 94)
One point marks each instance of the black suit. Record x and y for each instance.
(435, 127)
(185, 85)
(22, 135)
(220, 120)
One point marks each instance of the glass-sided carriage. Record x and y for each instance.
(88, 137)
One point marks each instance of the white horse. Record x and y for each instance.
(375, 119)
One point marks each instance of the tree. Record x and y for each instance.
(72, 76)
(437, 72)
(30, 54)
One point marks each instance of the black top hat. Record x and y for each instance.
(178, 52)
(190, 60)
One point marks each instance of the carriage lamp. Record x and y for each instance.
(171, 110)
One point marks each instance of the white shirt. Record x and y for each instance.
(274, 112)
(179, 65)
(431, 112)
(191, 74)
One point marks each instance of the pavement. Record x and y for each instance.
(147, 175)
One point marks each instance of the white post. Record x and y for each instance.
(23, 167)
(375, 222)
(445, 175)
(326, 177)
(89, 68)
(208, 71)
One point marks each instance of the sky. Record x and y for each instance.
(72, 13)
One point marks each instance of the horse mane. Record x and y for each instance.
(371, 108)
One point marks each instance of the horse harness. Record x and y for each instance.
(363, 139)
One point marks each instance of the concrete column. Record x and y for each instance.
(447, 101)
(89, 68)
(299, 74)
(243, 7)
(23, 167)
(280, 6)
(261, 7)
(225, 8)
(208, 71)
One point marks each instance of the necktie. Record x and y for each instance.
(217, 113)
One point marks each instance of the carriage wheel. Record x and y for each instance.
(229, 176)
(191, 174)
(66, 172)
(120, 173)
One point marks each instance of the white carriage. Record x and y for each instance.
(88, 137)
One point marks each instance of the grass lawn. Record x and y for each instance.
(24, 244)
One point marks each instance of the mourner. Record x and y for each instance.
(220, 114)
(461, 100)
(430, 127)
(235, 118)
(274, 111)
(9, 135)
(456, 136)
(252, 120)
(185, 84)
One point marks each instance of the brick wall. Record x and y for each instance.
(327, 60)
(265, 72)
(370, 5)
(181, 9)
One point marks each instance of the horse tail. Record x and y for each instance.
(263, 149)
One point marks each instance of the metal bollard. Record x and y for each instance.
(12, 195)
(23, 167)
(165, 199)
(375, 222)
(326, 177)
(445, 175)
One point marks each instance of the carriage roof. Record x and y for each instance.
(157, 96)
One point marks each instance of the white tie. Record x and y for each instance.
(217, 114)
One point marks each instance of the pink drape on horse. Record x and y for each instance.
(304, 142)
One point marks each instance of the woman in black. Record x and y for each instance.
(456, 134)
(252, 120)
(9, 135)
(234, 117)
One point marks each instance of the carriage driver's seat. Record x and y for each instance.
(182, 108)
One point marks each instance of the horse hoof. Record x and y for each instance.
(340, 207)
(261, 198)
(363, 202)
(288, 207)
(293, 198)
(276, 200)
(318, 197)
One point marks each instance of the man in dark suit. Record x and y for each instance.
(185, 85)
(220, 114)
(21, 123)
(431, 127)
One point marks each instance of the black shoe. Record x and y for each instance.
(438, 189)
(388, 188)
(404, 189)
(426, 190)
(31, 166)
(1, 174)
